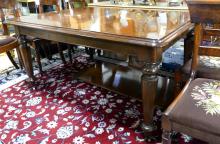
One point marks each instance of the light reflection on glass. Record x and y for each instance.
(162, 23)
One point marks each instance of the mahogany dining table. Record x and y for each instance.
(143, 35)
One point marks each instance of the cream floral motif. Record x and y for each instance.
(21, 139)
(132, 112)
(102, 124)
(99, 131)
(61, 111)
(210, 61)
(30, 114)
(186, 138)
(112, 120)
(11, 108)
(97, 92)
(78, 140)
(110, 136)
(207, 96)
(4, 136)
(11, 124)
(64, 132)
(103, 101)
(120, 129)
(108, 110)
(52, 124)
(80, 92)
(33, 101)
(85, 101)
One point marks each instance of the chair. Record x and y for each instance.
(53, 3)
(205, 62)
(196, 110)
(37, 43)
(48, 3)
(7, 42)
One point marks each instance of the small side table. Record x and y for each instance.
(30, 5)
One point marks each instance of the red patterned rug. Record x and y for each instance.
(61, 109)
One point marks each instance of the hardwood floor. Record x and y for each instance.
(6, 65)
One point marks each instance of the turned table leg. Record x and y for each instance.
(149, 81)
(26, 56)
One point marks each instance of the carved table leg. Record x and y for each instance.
(26, 56)
(149, 81)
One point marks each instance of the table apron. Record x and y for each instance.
(143, 53)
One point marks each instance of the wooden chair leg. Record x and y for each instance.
(12, 60)
(44, 44)
(37, 52)
(70, 53)
(73, 48)
(19, 58)
(90, 52)
(87, 50)
(99, 52)
(177, 82)
(61, 53)
(163, 97)
(166, 137)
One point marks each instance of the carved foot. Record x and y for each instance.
(166, 137)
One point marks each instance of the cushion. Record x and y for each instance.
(199, 107)
(209, 67)
(4, 40)
(30, 38)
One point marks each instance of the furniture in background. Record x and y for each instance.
(29, 4)
(208, 67)
(36, 43)
(48, 3)
(7, 42)
(51, 3)
(77, 3)
(196, 110)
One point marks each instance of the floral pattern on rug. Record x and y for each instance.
(207, 95)
(11, 75)
(59, 109)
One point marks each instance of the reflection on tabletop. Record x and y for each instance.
(152, 24)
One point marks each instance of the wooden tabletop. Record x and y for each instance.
(144, 26)
(26, 1)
